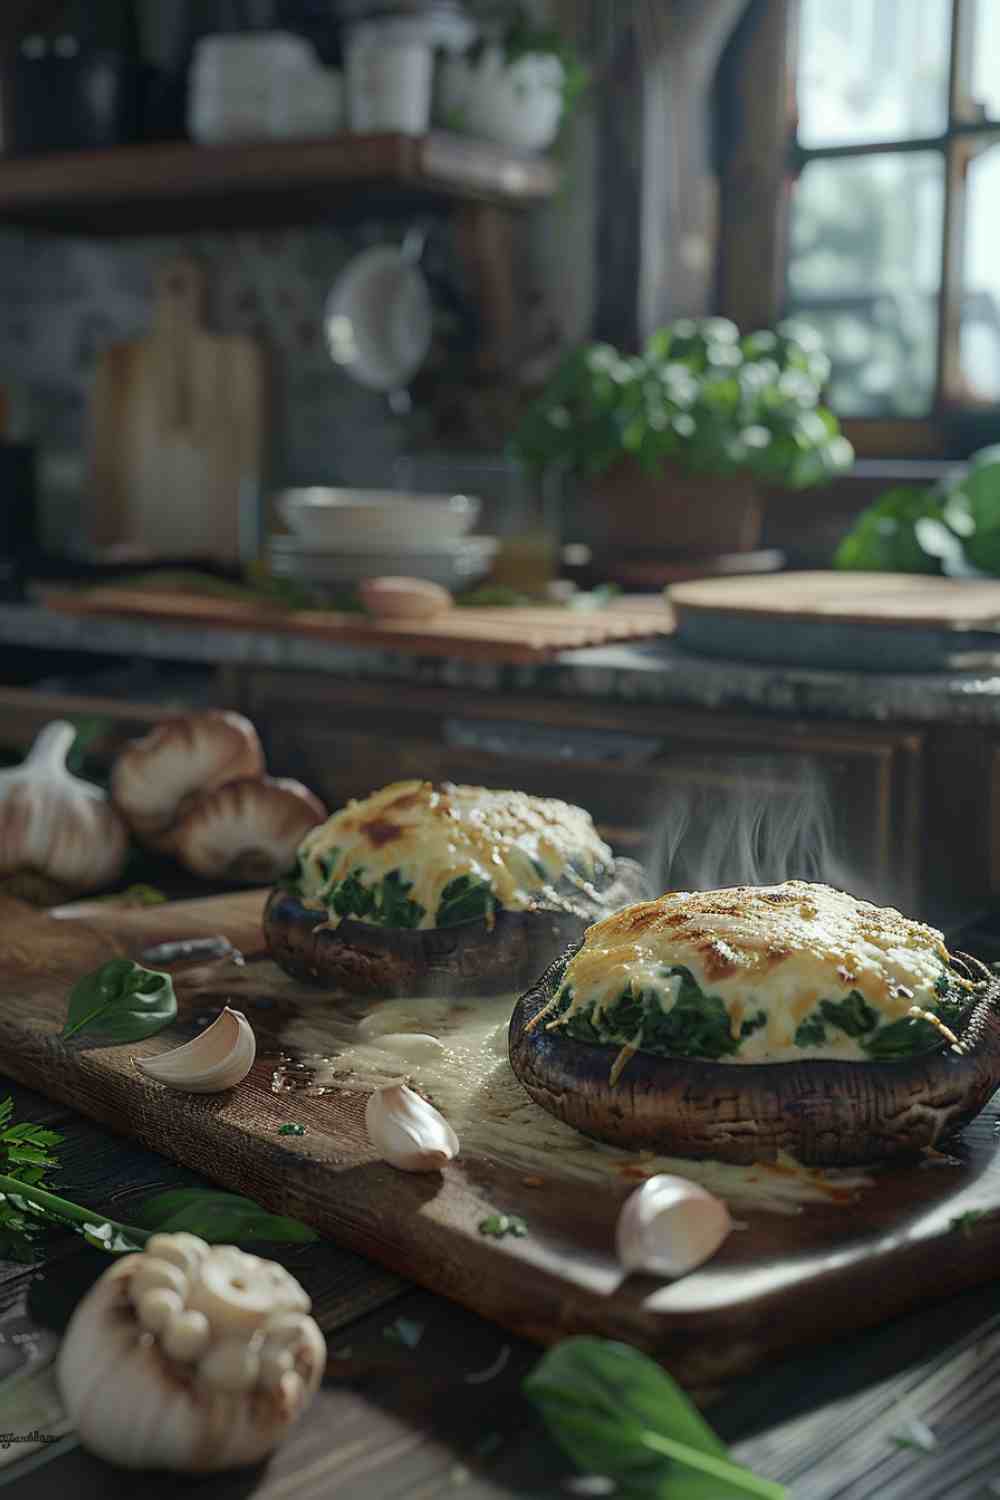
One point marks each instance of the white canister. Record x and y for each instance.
(390, 67)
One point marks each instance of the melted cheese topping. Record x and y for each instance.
(433, 834)
(777, 949)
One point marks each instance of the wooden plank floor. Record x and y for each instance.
(392, 1422)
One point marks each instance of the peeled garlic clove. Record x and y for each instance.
(233, 1290)
(220, 1058)
(669, 1225)
(407, 1132)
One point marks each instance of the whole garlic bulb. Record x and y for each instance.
(56, 824)
(181, 759)
(247, 830)
(189, 1357)
(670, 1225)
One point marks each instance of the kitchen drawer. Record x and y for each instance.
(704, 802)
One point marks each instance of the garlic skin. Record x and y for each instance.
(182, 758)
(669, 1225)
(220, 1058)
(212, 1387)
(407, 1132)
(55, 824)
(248, 830)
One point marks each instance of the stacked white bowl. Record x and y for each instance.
(337, 537)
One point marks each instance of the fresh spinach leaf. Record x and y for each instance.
(122, 1002)
(349, 898)
(696, 1025)
(853, 1014)
(903, 1038)
(617, 1413)
(219, 1218)
(465, 899)
(394, 908)
(497, 1226)
(810, 1032)
(753, 1023)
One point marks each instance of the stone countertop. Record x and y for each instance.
(654, 672)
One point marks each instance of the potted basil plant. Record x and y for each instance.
(516, 85)
(669, 449)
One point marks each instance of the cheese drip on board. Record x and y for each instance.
(784, 961)
(519, 846)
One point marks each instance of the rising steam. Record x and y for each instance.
(758, 824)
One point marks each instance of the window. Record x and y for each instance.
(887, 205)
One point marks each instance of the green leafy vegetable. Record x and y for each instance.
(385, 904)
(699, 396)
(122, 1002)
(291, 1129)
(753, 1023)
(695, 1025)
(903, 1038)
(28, 1206)
(219, 1218)
(810, 1033)
(616, 1413)
(499, 1225)
(465, 899)
(853, 1014)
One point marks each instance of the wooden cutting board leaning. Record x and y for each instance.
(178, 423)
(863, 621)
(814, 1256)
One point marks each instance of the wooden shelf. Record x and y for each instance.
(157, 187)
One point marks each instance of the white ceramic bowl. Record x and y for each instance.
(330, 518)
(457, 566)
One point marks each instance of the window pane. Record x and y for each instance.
(873, 70)
(986, 57)
(865, 270)
(981, 300)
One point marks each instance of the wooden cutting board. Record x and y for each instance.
(888, 599)
(516, 634)
(178, 426)
(851, 1259)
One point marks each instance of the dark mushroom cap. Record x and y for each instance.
(823, 1113)
(471, 957)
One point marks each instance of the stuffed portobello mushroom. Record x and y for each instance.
(423, 889)
(740, 1023)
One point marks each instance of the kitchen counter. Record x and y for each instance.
(659, 672)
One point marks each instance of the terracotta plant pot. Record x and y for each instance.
(672, 513)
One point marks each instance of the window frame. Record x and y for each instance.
(760, 160)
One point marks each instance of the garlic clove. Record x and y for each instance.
(220, 1058)
(407, 1132)
(158, 1307)
(285, 1329)
(151, 1273)
(274, 1363)
(233, 1290)
(288, 1294)
(187, 1336)
(669, 1225)
(232, 1365)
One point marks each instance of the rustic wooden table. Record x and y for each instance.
(404, 1411)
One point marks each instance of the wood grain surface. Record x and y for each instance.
(516, 634)
(843, 1263)
(178, 428)
(890, 599)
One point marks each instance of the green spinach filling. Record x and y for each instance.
(697, 1024)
